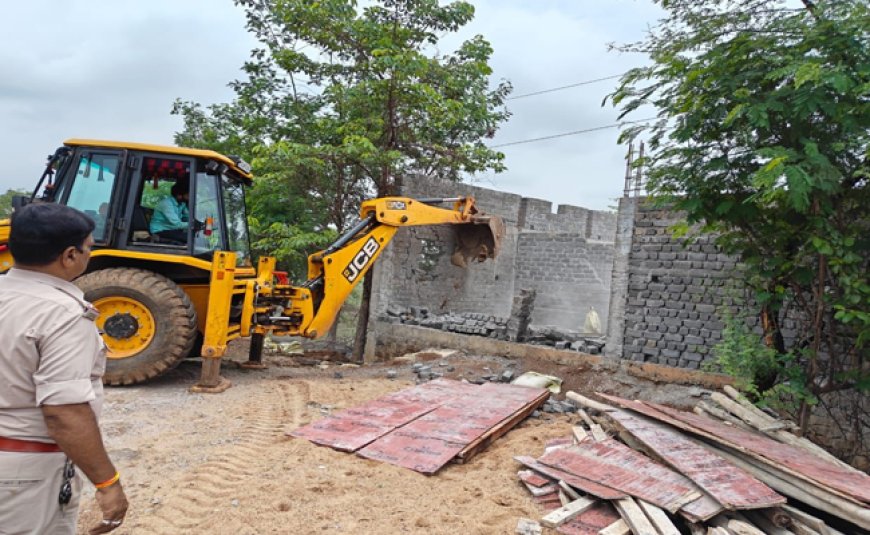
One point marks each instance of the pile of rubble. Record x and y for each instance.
(499, 328)
(465, 323)
(728, 468)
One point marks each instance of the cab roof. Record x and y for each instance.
(165, 149)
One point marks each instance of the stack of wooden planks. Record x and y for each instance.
(427, 426)
(672, 472)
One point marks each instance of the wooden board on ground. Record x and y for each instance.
(591, 521)
(795, 461)
(702, 509)
(563, 514)
(488, 437)
(425, 427)
(587, 486)
(532, 478)
(613, 464)
(724, 482)
(353, 428)
(658, 518)
(634, 517)
(617, 528)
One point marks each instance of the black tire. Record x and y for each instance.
(174, 321)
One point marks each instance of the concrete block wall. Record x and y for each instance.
(570, 273)
(674, 290)
(415, 269)
(566, 256)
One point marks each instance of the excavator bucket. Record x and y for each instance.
(479, 239)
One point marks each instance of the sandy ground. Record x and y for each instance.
(199, 463)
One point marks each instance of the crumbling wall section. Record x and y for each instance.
(571, 274)
(415, 269)
(565, 256)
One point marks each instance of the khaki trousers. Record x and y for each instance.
(29, 488)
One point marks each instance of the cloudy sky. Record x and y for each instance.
(111, 69)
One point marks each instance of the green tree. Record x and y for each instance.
(6, 201)
(343, 103)
(763, 136)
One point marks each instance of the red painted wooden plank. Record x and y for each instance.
(424, 427)
(341, 433)
(702, 509)
(533, 479)
(617, 466)
(726, 483)
(427, 443)
(591, 521)
(418, 452)
(587, 486)
(794, 460)
(549, 501)
(353, 428)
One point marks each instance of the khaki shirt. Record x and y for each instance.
(50, 352)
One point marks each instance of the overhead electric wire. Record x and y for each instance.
(560, 88)
(574, 133)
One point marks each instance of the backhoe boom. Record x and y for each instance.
(310, 309)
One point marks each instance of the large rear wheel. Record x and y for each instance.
(148, 322)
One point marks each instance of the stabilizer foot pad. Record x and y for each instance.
(222, 385)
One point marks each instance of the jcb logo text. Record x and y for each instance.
(361, 260)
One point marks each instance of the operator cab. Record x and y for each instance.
(121, 185)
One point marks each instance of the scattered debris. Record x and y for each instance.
(500, 328)
(680, 472)
(429, 355)
(526, 526)
(426, 426)
(550, 382)
(282, 347)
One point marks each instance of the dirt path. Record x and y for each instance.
(195, 463)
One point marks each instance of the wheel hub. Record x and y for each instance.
(121, 326)
(127, 324)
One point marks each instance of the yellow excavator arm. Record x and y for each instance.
(310, 309)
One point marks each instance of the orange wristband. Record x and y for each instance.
(109, 482)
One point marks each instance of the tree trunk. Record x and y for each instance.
(362, 322)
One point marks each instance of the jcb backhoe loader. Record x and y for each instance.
(161, 300)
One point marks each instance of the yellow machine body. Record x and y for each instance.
(218, 295)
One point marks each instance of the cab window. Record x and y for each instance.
(209, 237)
(92, 186)
(156, 212)
(237, 222)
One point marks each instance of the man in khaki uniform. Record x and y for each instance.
(51, 365)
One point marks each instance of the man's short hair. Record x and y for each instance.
(42, 231)
(179, 188)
